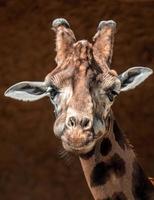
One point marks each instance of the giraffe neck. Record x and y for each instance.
(112, 172)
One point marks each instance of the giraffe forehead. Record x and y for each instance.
(80, 78)
(82, 47)
(82, 65)
(82, 50)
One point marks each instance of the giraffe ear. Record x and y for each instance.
(27, 91)
(133, 77)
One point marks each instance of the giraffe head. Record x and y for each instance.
(82, 87)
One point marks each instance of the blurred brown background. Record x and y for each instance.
(30, 167)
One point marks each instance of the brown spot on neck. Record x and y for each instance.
(101, 173)
(105, 147)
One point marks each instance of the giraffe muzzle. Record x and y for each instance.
(77, 140)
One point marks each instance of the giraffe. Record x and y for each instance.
(82, 89)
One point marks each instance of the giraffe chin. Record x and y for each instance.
(78, 150)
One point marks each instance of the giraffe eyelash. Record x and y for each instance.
(111, 94)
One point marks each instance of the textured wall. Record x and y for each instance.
(30, 167)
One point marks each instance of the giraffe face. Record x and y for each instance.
(82, 87)
(82, 96)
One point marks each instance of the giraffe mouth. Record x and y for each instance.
(79, 145)
(80, 149)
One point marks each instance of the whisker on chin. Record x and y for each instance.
(66, 156)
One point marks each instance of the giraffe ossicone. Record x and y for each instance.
(82, 88)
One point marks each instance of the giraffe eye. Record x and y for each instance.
(111, 94)
(53, 92)
(114, 93)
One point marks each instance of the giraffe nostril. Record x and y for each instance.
(71, 122)
(85, 123)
